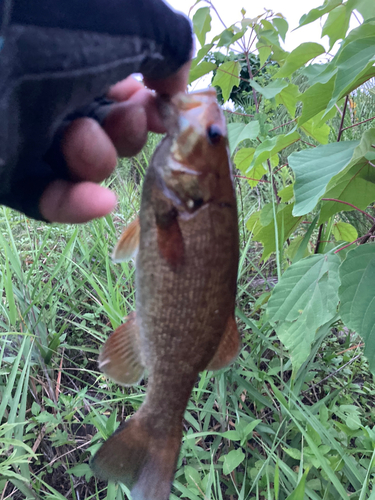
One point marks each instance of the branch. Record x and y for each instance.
(283, 125)
(359, 123)
(251, 179)
(353, 206)
(237, 113)
(342, 119)
(318, 239)
(251, 78)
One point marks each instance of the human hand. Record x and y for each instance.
(90, 151)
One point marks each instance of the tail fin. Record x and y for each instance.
(140, 458)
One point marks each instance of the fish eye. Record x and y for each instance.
(214, 134)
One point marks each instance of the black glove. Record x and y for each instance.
(56, 58)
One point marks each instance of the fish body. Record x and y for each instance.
(186, 272)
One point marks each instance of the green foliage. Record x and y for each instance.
(294, 417)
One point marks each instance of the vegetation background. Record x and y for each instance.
(294, 417)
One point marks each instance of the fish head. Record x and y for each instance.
(197, 170)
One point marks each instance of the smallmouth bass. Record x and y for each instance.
(186, 271)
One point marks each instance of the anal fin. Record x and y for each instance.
(127, 245)
(229, 347)
(120, 358)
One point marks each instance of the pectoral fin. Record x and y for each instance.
(127, 245)
(228, 348)
(120, 358)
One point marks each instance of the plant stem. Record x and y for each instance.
(251, 77)
(359, 123)
(237, 113)
(353, 206)
(342, 119)
(319, 238)
(251, 179)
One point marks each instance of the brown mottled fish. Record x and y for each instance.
(186, 272)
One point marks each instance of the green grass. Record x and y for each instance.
(250, 431)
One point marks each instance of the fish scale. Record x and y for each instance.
(186, 271)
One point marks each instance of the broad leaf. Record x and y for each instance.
(316, 129)
(200, 70)
(203, 51)
(298, 57)
(238, 132)
(227, 76)
(314, 14)
(271, 90)
(202, 23)
(233, 460)
(366, 8)
(289, 97)
(355, 59)
(342, 231)
(357, 309)
(314, 168)
(286, 225)
(355, 184)
(315, 100)
(281, 26)
(264, 52)
(337, 24)
(305, 299)
(243, 159)
(270, 147)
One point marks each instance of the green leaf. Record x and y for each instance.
(192, 476)
(357, 187)
(243, 159)
(299, 492)
(238, 132)
(355, 184)
(286, 193)
(227, 76)
(356, 58)
(305, 298)
(315, 100)
(289, 97)
(79, 470)
(337, 24)
(203, 51)
(270, 147)
(366, 8)
(342, 231)
(314, 14)
(202, 69)
(314, 168)
(264, 52)
(266, 233)
(202, 23)
(357, 309)
(281, 26)
(271, 90)
(316, 129)
(233, 460)
(298, 57)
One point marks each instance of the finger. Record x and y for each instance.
(122, 91)
(75, 203)
(88, 151)
(128, 123)
(173, 84)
